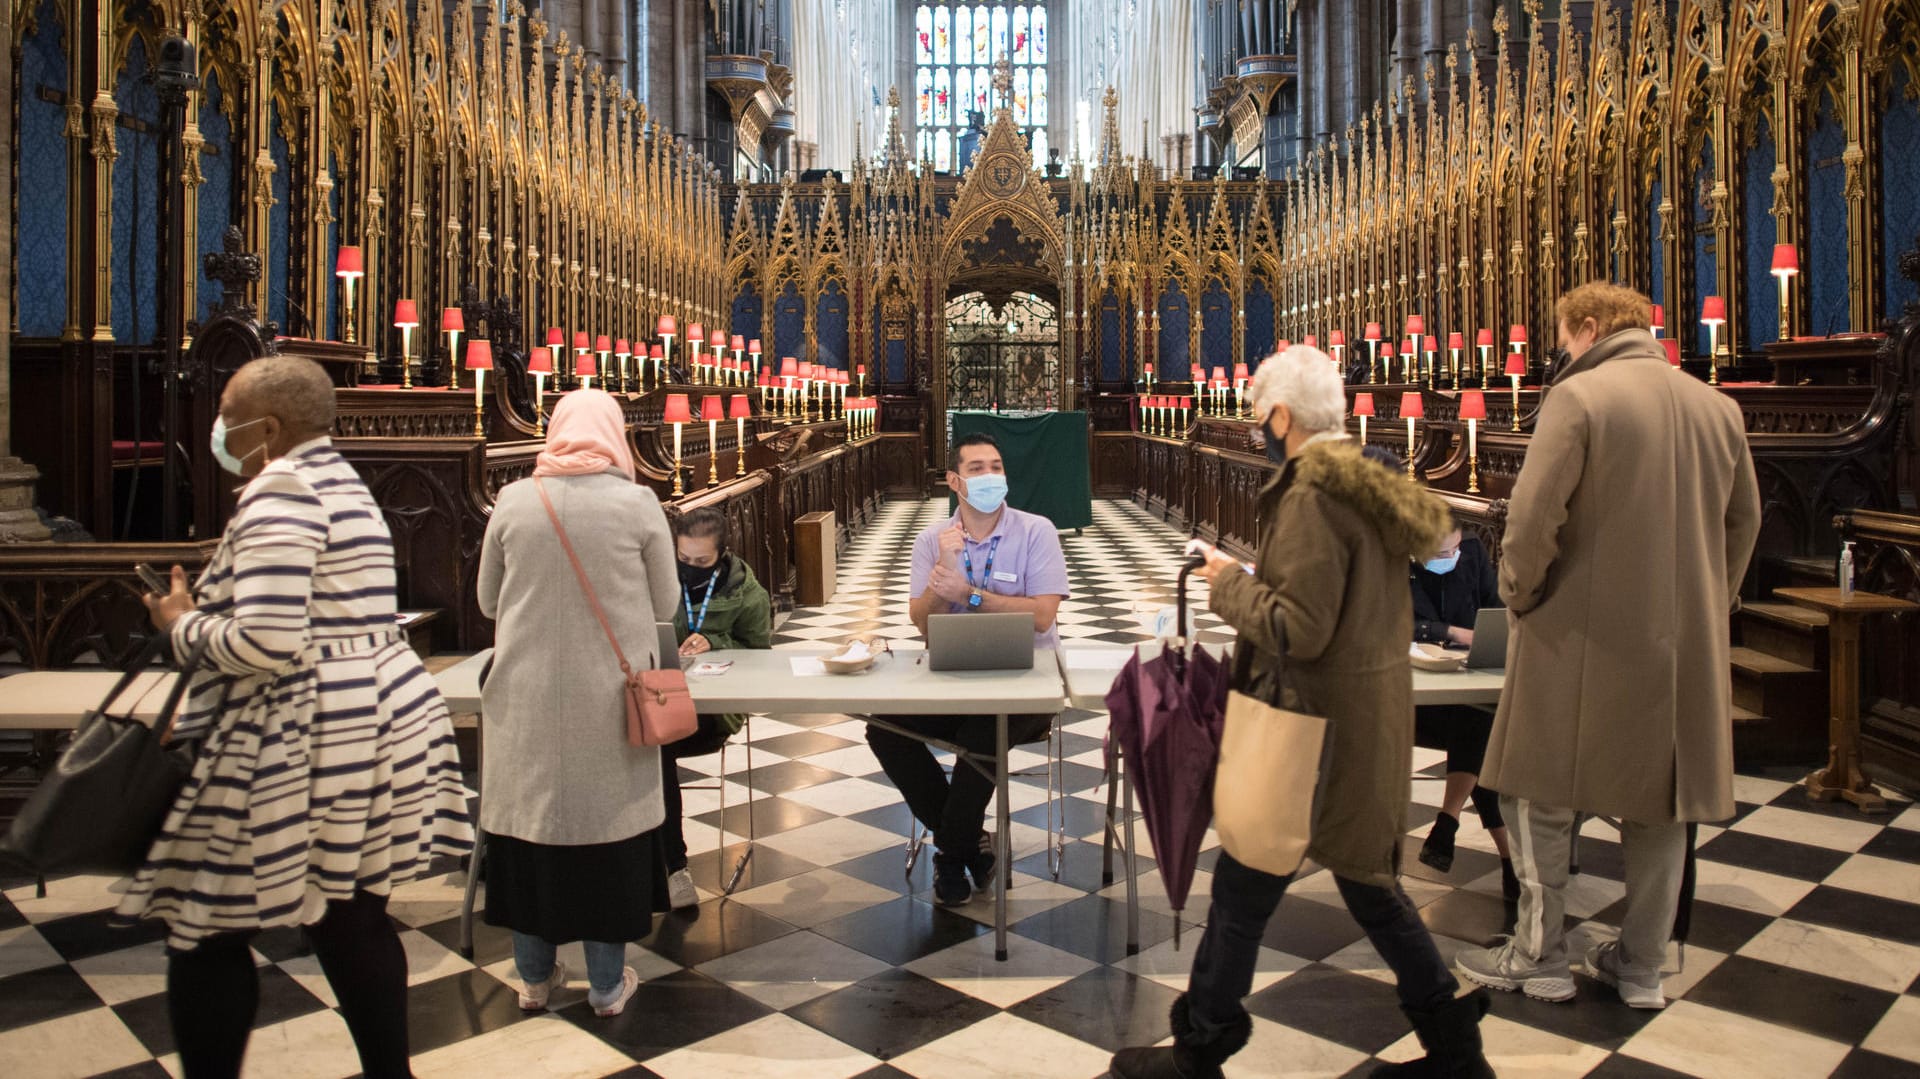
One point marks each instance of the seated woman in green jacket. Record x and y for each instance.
(722, 605)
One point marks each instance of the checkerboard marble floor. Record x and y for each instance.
(830, 962)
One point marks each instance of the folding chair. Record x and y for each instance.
(918, 834)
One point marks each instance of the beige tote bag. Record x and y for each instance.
(1263, 794)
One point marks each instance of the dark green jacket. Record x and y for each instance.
(740, 615)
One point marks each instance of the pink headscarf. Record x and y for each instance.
(587, 434)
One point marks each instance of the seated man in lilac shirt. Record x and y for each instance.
(988, 557)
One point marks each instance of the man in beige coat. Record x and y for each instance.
(1627, 537)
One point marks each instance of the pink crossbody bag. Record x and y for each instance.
(659, 705)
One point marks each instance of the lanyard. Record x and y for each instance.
(966, 557)
(694, 623)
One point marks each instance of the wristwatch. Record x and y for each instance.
(973, 601)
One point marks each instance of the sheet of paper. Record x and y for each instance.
(708, 668)
(807, 666)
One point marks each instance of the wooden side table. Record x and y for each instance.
(1842, 777)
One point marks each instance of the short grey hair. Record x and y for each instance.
(1305, 380)
(293, 388)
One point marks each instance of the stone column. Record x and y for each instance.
(19, 521)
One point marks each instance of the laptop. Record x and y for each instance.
(980, 642)
(669, 647)
(1489, 651)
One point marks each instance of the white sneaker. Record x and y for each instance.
(629, 981)
(681, 893)
(533, 996)
(1639, 989)
(1505, 969)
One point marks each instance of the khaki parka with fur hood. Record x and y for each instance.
(1330, 588)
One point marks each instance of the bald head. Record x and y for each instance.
(292, 389)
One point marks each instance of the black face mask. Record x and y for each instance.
(1276, 445)
(694, 578)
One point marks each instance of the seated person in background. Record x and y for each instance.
(1449, 590)
(722, 605)
(987, 557)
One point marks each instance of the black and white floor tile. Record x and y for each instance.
(829, 961)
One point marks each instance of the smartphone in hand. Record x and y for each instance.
(158, 583)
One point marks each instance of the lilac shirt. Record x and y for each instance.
(1027, 563)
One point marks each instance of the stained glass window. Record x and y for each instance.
(955, 49)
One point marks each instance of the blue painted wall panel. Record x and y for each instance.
(42, 190)
(1826, 262)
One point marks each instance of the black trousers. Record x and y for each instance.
(953, 809)
(1243, 901)
(213, 991)
(708, 738)
(1462, 730)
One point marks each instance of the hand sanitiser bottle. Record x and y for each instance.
(1846, 571)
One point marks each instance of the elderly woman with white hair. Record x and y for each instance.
(1329, 592)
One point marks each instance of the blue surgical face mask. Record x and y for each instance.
(218, 443)
(1443, 565)
(986, 492)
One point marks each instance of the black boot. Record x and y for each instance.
(1451, 1036)
(1437, 851)
(1185, 1058)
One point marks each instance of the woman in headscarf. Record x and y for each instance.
(568, 807)
(1327, 605)
(326, 774)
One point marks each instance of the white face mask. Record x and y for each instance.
(218, 443)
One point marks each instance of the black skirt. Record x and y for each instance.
(600, 892)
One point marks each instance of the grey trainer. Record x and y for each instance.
(1638, 988)
(1503, 967)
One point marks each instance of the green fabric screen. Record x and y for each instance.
(1046, 458)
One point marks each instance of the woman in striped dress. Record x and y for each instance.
(328, 773)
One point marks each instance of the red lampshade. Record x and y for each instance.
(666, 327)
(349, 263)
(451, 319)
(753, 345)
(1786, 260)
(622, 347)
(861, 370)
(1516, 363)
(539, 361)
(1313, 340)
(586, 365)
(1282, 345)
(1406, 347)
(1386, 350)
(789, 367)
(712, 408)
(1337, 339)
(1516, 335)
(580, 340)
(1673, 350)
(1219, 374)
(807, 370)
(1220, 383)
(1199, 373)
(1412, 406)
(556, 339)
(1456, 340)
(696, 334)
(1186, 402)
(654, 352)
(739, 408)
(603, 343)
(1363, 404)
(676, 410)
(1473, 405)
(766, 377)
(1484, 339)
(1415, 324)
(1373, 331)
(718, 339)
(405, 313)
(1713, 310)
(479, 355)
(738, 344)
(841, 377)
(1659, 316)
(1240, 370)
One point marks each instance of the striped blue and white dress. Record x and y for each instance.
(329, 764)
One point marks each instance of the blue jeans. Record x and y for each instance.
(1244, 899)
(606, 962)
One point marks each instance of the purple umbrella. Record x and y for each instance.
(1168, 714)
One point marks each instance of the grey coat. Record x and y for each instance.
(557, 768)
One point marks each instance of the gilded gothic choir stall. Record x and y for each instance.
(424, 196)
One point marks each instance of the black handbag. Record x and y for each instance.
(103, 802)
